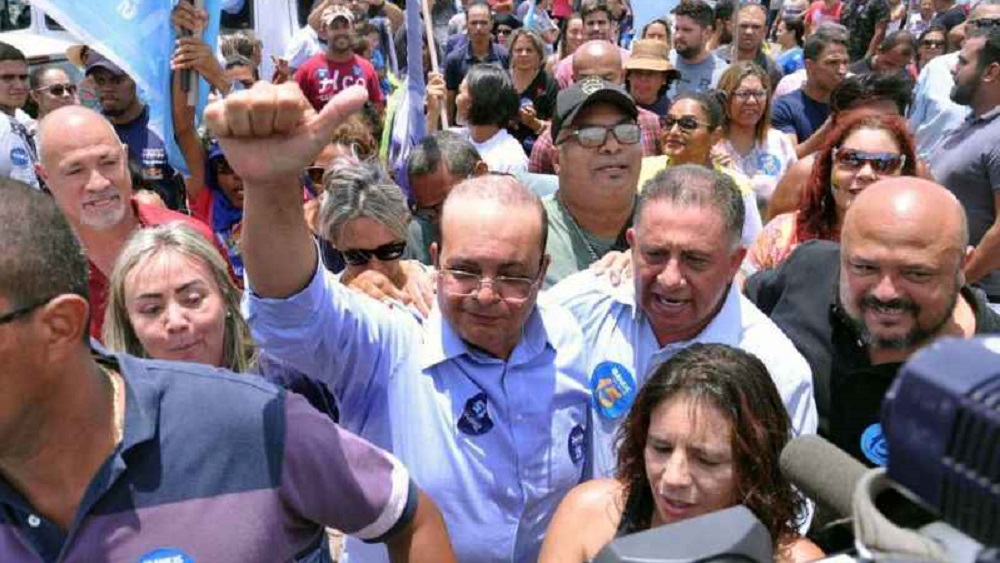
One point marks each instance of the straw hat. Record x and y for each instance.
(651, 54)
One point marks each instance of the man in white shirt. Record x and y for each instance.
(685, 252)
(17, 153)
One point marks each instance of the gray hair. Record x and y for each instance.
(692, 185)
(826, 34)
(118, 334)
(361, 189)
(536, 42)
(460, 157)
(501, 190)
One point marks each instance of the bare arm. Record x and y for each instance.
(584, 522)
(269, 134)
(450, 105)
(187, 140)
(425, 538)
(986, 256)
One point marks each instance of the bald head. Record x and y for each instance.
(909, 208)
(598, 58)
(63, 125)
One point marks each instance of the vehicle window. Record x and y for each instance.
(14, 14)
(53, 24)
(240, 16)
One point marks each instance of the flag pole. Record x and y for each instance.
(429, 34)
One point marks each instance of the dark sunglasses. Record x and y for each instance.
(686, 123)
(934, 44)
(384, 253)
(59, 89)
(597, 135)
(881, 162)
(983, 23)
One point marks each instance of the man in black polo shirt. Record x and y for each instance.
(857, 311)
(479, 49)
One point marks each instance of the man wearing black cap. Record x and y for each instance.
(121, 105)
(598, 163)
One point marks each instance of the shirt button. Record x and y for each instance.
(34, 521)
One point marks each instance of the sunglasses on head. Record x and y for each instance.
(983, 23)
(384, 253)
(686, 123)
(881, 162)
(58, 89)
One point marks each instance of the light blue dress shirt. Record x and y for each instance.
(933, 114)
(624, 351)
(496, 444)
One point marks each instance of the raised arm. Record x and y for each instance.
(269, 134)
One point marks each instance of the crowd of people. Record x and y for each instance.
(627, 263)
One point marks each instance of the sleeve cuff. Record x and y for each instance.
(399, 511)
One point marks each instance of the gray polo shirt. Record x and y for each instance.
(967, 162)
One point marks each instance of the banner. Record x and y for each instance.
(137, 36)
(408, 123)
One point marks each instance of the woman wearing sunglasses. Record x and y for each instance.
(51, 89)
(749, 143)
(864, 147)
(931, 44)
(688, 132)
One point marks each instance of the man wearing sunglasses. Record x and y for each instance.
(685, 250)
(485, 401)
(859, 309)
(968, 160)
(598, 160)
(17, 149)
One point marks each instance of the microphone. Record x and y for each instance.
(822, 471)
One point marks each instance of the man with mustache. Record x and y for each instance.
(85, 167)
(858, 311)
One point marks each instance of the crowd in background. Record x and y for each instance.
(627, 263)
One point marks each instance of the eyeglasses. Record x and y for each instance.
(983, 23)
(597, 135)
(932, 44)
(512, 289)
(58, 89)
(881, 162)
(384, 253)
(23, 311)
(744, 95)
(686, 123)
(13, 77)
(503, 31)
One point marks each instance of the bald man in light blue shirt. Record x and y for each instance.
(685, 249)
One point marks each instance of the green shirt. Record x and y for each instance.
(571, 248)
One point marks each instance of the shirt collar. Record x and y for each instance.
(490, 56)
(443, 344)
(142, 398)
(988, 116)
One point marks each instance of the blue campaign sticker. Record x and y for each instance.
(475, 420)
(166, 555)
(19, 156)
(769, 165)
(613, 389)
(874, 446)
(577, 447)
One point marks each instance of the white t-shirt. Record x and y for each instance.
(17, 158)
(501, 152)
(766, 162)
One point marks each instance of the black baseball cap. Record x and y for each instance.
(588, 91)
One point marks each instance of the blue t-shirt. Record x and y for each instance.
(791, 60)
(798, 113)
(148, 156)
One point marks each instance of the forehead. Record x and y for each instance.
(686, 106)
(13, 67)
(668, 223)
(599, 15)
(905, 240)
(833, 50)
(697, 421)
(685, 22)
(985, 11)
(871, 139)
(599, 113)
(166, 270)
(751, 14)
(523, 41)
(490, 232)
(53, 75)
(971, 48)
(478, 12)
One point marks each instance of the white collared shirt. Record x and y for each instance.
(496, 444)
(624, 351)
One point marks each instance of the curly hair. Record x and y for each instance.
(738, 384)
(817, 217)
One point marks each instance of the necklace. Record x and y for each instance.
(117, 414)
(594, 257)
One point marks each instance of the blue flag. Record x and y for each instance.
(409, 125)
(137, 36)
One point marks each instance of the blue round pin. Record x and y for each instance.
(166, 555)
(613, 389)
(874, 446)
(576, 443)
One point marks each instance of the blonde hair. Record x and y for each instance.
(119, 334)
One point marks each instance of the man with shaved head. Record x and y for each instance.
(485, 401)
(85, 166)
(858, 311)
(596, 59)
